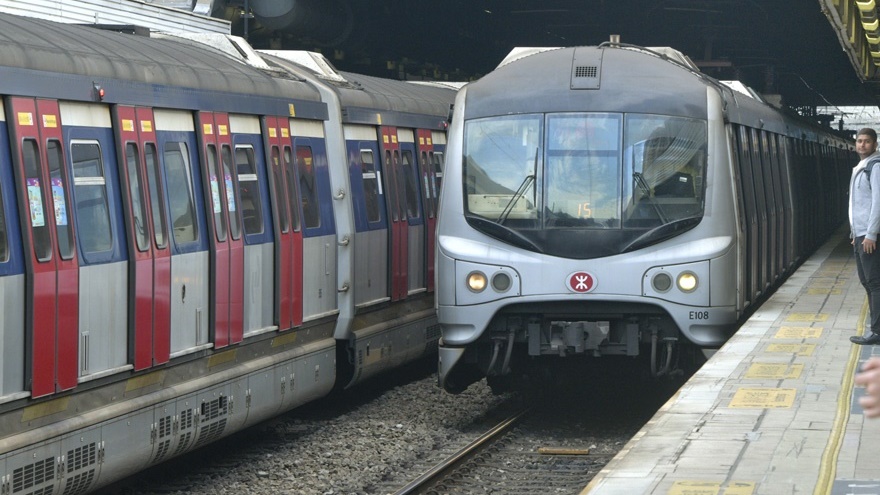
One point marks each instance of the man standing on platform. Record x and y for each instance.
(864, 222)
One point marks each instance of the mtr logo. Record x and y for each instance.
(581, 282)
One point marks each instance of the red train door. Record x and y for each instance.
(397, 213)
(150, 258)
(288, 235)
(425, 145)
(52, 266)
(161, 247)
(227, 250)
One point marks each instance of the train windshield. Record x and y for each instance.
(584, 185)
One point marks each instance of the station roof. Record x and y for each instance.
(811, 52)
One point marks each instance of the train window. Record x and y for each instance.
(217, 205)
(92, 211)
(31, 158)
(390, 177)
(137, 197)
(157, 207)
(665, 165)
(180, 195)
(583, 170)
(4, 243)
(58, 179)
(308, 187)
(231, 194)
(249, 187)
(430, 199)
(409, 183)
(372, 188)
(291, 189)
(500, 168)
(278, 183)
(437, 159)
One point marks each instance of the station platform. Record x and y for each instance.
(775, 410)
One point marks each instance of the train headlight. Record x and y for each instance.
(687, 281)
(476, 281)
(501, 282)
(661, 282)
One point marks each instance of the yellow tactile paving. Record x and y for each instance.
(775, 409)
(799, 333)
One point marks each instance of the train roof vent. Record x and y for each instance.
(233, 46)
(673, 54)
(312, 61)
(739, 87)
(586, 68)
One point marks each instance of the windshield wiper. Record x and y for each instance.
(503, 233)
(640, 180)
(520, 192)
(664, 231)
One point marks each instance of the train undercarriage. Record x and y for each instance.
(521, 351)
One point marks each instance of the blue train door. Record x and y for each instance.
(52, 307)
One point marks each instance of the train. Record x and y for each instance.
(611, 207)
(195, 237)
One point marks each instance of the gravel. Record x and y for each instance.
(379, 436)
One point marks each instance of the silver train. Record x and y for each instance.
(195, 237)
(613, 201)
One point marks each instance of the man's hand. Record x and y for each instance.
(869, 377)
(868, 245)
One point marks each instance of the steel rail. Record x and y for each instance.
(457, 458)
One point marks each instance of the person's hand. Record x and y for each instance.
(869, 377)
(868, 245)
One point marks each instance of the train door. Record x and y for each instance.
(319, 242)
(148, 250)
(254, 205)
(226, 243)
(371, 258)
(395, 202)
(412, 205)
(750, 225)
(180, 198)
(428, 181)
(12, 279)
(52, 297)
(288, 231)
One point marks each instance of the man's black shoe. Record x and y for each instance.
(869, 339)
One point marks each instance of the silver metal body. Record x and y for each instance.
(604, 287)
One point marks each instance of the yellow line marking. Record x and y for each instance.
(779, 371)
(688, 487)
(824, 292)
(222, 358)
(798, 333)
(45, 409)
(142, 381)
(814, 317)
(284, 339)
(763, 398)
(799, 349)
(828, 466)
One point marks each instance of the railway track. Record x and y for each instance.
(511, 458)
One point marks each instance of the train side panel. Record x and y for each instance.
(12, 280)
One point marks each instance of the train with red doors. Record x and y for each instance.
(195, 237)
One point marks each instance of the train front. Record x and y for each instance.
(587, 212)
